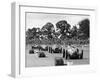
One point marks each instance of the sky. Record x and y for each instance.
(40, 19)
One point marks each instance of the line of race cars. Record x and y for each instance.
(69, 51)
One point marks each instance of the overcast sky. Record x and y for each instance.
(40, 19)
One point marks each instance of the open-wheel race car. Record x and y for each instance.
(40, 47)
(55, 49)
(72, 53)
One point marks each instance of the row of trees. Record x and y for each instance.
(63, 31)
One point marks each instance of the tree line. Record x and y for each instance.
(62, 32)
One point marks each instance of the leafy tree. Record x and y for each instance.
(74, 31)
(33, 33)
(48, 30)
(63, 28)
(84, 28)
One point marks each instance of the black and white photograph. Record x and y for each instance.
(56, 39)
